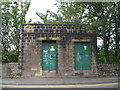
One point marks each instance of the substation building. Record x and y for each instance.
(58, 50)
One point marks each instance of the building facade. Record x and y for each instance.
(53, 50)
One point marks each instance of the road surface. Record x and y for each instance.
(111, 82)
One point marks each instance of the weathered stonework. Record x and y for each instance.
(108, 69)
(65, 36)
(13, 70)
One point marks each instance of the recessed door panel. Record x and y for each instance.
(49, 50)
(82, 56)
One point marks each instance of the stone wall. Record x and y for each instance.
(11, 70)
(0, 74)
(107, 69)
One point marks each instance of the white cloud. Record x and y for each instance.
(40, 6)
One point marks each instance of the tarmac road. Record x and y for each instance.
(103, 85)
(111, 82)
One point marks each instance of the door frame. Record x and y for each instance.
(89, 59)
(56, 56)
(82, 41)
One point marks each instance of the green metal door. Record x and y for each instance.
(49, 50)
(82, 56)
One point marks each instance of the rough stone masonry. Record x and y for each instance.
(65, 35)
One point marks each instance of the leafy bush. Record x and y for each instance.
(9, 56)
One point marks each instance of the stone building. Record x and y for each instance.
(53, 50)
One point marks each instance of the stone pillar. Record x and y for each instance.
(69, 67)
(61, 58)
(94, 55)
(31, 58)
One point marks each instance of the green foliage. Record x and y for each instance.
(13, 16)
(101, 56)
(9, 56)
(67, 13)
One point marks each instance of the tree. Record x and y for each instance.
(67, 13)
(99, 16)
(13, 16)
(106, 24)
(116, 23)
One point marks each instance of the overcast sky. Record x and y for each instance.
(40, 6)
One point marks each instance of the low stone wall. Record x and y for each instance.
(14, 70)
(11, 70)
(0, 75)
(108, 69)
